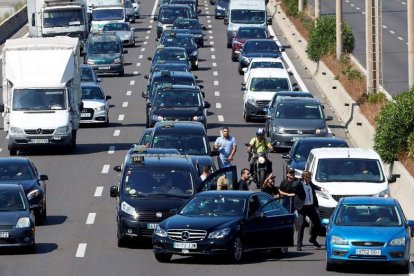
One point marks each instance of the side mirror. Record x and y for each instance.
(269, 20)
(133, 29)
(243, 85)
(117, 168)
(150, 58)
(259, 215)
(290, 72)
(244, 69)
(282, 49)
(125, 51)
(81, 105)
(204, 28)
(99, 79)
(173, 211)
(144, 94)
(271, 36)
(198, 11)
(146, 77)
(108, 97)
(2, 108)
(392, 178)
(207, 104)
(325, 221)
(114, 191)
(43, 177)
(328, 118)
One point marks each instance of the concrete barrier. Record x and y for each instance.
(13, 24)
(359, 130)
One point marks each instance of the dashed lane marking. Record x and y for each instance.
(217, 93)
(220, 118)
(210, 37)
(105, 168)
(111, 150)
(218, 105)
(209, 21)
(128, 93)
(215, 73)
(125, 104)
(121, 117)
(142, 49)
(214, 64)
(117, 132)
(138, 64)
(211, 42)
(136, 72)
(80, 252)
(209, 26)
(210, 31)
(98, 191)
(148, 32)
(212, 49)
(216, 82)
(91, 218)
(213, 57)
(384, 26)
(147, 37)
(132, 82)
(145, 42)
(400, 38)
(392, 32)
(140, 56)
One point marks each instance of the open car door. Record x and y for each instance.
(210, 183)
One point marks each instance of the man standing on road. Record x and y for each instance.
(227, 147)
(243, 184)
(287, 189)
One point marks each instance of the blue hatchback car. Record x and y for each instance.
(368, 230)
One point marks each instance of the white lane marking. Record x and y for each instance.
(207, 12)
(210, 31)
(392, 32)
(358, 9)
(138, 64)
(403, 3)
(215, 73)
(400, 38)
(111, 150)
(105, 168)
(147, 37)
(220, 118)
(208, 16)
(128, 93)
(216, 82)
(363, 12)
(151, 21)
(210, 37)
(154, 8)
(384, 26)
(148, 32)
(352, 5)
(149, 26)
(217, 93)
(7, 136)
(80, 252)
(1, 150)
(145, 42)
(218, 105)
(125, 104)
(117, 132)
(213, 57)
(140, 56)
(209, 26)
(142, 49)
(209, 21)
(98, 191)
(132, 82)
(214, 64)
(91, 218)
(136, 72)
(212, 49)
(121, 117)
(211, 42)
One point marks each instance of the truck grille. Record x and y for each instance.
(189, 235)
(39, 131)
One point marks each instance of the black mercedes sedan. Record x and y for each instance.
(225, 223)
(17, 223)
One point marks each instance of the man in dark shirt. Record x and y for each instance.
(243, 182)
(287, 188)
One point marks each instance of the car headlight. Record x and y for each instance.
(194, 53)
(23, 222)
(338, 240)
(33, 194)
(62, 130)
(166, 27)
(197, 35)
(385, 193)
(279, 130)
(397, 242)
(251, 99)
(324, 195)
(320, 131)
(160, 232)
(126, 208)
(157, 118)
(100, 108)
(219, 234)
(198, 118)
(90, 61)
(16, 131)
(117, 60)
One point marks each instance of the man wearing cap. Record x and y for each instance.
(287, 188)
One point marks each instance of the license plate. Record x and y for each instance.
(85, 115)
(369, 252)
(185, 245)
(39, 141)
(104, 67)
(4, 234)
(152, 225)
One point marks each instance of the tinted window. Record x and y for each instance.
(303, 148)
(11, 200)
(116, 27)
(248, 16)
(91, 93)
(178, 99)
(169, 15)
(223, 205)
(261, 46)
(184, 143)
(251, 33)
(110, 47)
(108, 14)
(170, 54)
(16, 172)
(269, 84)
(267, 64)
(369, 215)
(294, 110)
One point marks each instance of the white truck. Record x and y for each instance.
(41, 92)
(98, 3)
(58, 18)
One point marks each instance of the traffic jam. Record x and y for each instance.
(188, 181)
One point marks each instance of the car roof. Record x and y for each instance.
(13, 160)
(260, 40)
(170, 87)
(175, 74)
(159, 160)
(345, 153)
(311, 140)
(303, 94)
(268, 73)
(368, 200)
(105, 37)
(180, 126)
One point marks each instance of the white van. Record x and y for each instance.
(346, 172)
(245, 13)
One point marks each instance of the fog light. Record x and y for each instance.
(340, 252)
(129, 231)
(26, 239)
(397, 254)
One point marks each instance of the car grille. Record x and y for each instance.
(368, 243)
(6, 227)
(39, 131)
(87, 110)
(338, 197)
(263, 103)
(150, 216)
(296, 131)
(193, 235)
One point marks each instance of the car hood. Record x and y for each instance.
(123, 34)
(40, 119)
(93, 103)
(299, 165)
(262, 95)
(368, 233)
(11, 217)
(162, 203)
(208, 223)
(177, 111)
(300, 123)
(28, 184)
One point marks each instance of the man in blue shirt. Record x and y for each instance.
(227, 147)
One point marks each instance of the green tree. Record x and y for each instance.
(395, 127)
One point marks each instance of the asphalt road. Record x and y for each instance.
(79, 237)
(394, 37)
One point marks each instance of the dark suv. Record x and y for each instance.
(151, 183)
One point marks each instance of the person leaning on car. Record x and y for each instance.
(306, 203)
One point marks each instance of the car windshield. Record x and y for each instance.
(15, 172)
(117, 27)
(215, 205)
(108, 14)
(349, 170)
(11, 200)
(169, 15)
(190, 25)
(247, 16)
(145, 182)
(269, 84)
(266, 64)
(184, 143)
(63, 18)
(107, 47)
(170, 54)
(39, 99)
(171, 67)
(177, 81)
(295, 110)
(87, 75)
(92, 93)
(179, 41)
(178, 99)
(368, 215)
(260, 46)
(251, 33)
(303, 148)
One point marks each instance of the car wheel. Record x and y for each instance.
(163, 257)
(13, 152)
(329, 266)
(246, 117)
(31, 249)
(261, 178)
(107, 121)
(236, 252)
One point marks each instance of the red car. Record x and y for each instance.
(243, 34)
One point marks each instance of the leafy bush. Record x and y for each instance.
(377, 98)
(410, 143)
(395, 125)
(322, 38)
(292, 7)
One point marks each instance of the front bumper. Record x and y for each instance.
(22, 237)
(24, 142)
(108, 68)
(92, 116)
(129, 227)
(256, 110)
(287, 140)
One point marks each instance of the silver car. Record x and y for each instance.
(137, 11)
(95, 104)
(122, 29)
(129, 11)
(296, 117)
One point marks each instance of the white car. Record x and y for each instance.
(264, 63)
(135, 4)
(260, 88)
(95, 104)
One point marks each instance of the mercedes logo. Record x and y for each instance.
(158, 214)
(39, 131)
(185, 235)
(300, 131)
